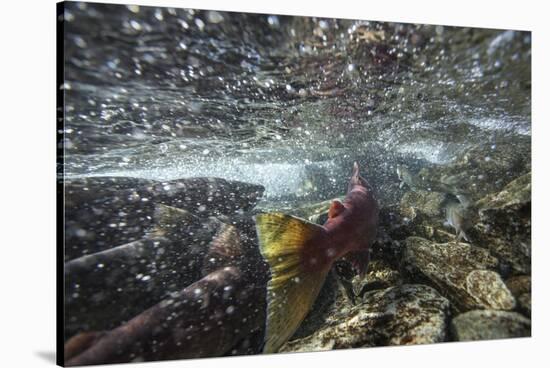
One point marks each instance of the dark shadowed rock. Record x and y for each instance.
(380, 275)
(458, 271)
(487, 325)
(520, 286)
(401, 315)
(104, 212)
(505, 224)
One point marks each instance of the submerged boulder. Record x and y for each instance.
(400, 315)
(487, 325)
(460, 271)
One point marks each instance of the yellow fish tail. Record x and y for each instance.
(291, 291)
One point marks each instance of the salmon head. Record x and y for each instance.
(356, 218)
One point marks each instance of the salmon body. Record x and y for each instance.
(300, 254)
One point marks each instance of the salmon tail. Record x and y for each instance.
(461, 234)
(291, 291)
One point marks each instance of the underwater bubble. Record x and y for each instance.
(68, 16)
(158, 15)
(133, 8)
(230, 309)
(199, 23)
(79, 41)
(273, 21)
(214, 17)
(135, 25)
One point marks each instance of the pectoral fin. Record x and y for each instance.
(336, 208)
(291, 291)
(224, 249)
(169, 221)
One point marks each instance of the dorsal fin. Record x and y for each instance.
(291, 291)
(336, 208)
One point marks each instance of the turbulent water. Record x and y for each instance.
(285, 102)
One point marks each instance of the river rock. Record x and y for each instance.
(400, 315)
(488, 325)
(380, 275)
(425, 202)
(489, 290)
(505, 224)
(449, 268)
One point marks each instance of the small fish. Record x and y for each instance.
(406, 177)
(458, 216)
(300, 254)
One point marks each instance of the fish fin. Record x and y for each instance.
(224, 249)
(169, 221)
(80, 343)
(464, 200)
(336, 208)
(462, 235)
(291, 291)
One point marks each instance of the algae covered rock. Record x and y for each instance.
(400, 315)
(458, 271)
(421, 201)
(489, 290)
(488, 325)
